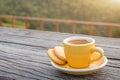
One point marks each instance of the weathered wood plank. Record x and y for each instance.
(55, 35)
(25, 62)
(109, 52)
(22, 63)
(45, 43)
(23, 56)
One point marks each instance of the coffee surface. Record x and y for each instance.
(78, 42)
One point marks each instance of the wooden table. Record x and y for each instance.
(23, 56)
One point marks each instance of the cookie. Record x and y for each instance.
(59, 52)
(53, 57)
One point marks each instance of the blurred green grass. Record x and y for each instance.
(18, 23)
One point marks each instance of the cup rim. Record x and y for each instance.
(65, 41)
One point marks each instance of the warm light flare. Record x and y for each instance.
(115, 1)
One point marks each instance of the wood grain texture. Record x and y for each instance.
(23, 55)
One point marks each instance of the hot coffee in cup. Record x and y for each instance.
(78, 51)
(78, 42)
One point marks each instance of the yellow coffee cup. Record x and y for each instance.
(78, 51)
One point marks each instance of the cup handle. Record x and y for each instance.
(100, 51)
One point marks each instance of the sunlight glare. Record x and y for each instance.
(115, 1)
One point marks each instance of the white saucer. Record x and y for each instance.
(95, 66)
